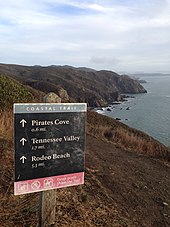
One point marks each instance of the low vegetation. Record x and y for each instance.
(124, 137)
(6, 124)
(13, 92)
(14, 211)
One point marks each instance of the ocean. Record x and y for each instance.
(148, 112)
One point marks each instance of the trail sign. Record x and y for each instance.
(49, 146)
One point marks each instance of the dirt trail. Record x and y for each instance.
(137, 185)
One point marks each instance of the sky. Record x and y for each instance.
(117, 35)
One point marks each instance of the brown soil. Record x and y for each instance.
(121, 189)
(138, 186)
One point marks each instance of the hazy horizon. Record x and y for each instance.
(131, 73)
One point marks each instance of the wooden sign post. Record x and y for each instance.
(49, 150)
(47, 208)
(47, 205)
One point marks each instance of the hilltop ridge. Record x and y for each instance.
(97, 88)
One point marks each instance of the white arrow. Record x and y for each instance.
(23, 158)
(23, 122)
(23, 140)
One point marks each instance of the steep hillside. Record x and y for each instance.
(119, 134)
(97, 88)
(11, 91)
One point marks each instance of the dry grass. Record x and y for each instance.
(132, 141)
(88, 205)
(6, 124)
(14, 210)
(124, 137)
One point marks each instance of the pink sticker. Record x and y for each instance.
(47, 183)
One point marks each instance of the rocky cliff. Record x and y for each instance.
(97, 88)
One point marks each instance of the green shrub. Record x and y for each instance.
(12, 91)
